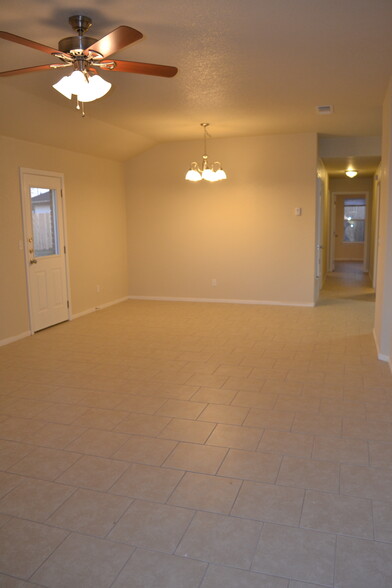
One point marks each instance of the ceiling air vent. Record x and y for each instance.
(327, 109)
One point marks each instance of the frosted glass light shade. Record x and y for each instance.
(193, 175)
(209, 175)
(63, 86)
(220, 174)
(351, 173)
(72, 84)
(93, 88)
(86, 88)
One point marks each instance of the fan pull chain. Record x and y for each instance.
(78, 107)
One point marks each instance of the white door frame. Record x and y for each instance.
(61, 201)
(319, 269)
(377, 196)
(332, 231)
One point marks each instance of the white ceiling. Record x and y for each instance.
(248, 67)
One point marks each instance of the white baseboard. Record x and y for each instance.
(100, 307)
(223, 301)
(347, 259)
(72, 317)
(83, 313)
(381, 356)
(15, 338)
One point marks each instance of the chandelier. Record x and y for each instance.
(211, 173)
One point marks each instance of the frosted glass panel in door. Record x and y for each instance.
(44, 221)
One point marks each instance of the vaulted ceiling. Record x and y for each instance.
(248, 67)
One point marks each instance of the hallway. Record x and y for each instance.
(191, 445)
(348, 281)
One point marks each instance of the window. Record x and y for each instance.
(43, 209)
(354, 220)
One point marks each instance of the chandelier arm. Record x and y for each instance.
(217, 163)
(195, 166)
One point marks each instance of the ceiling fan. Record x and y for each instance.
(85, 55)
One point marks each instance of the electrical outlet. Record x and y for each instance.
(214, 282)
(98, 288)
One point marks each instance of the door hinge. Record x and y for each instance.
(67, 303)
(65, 249)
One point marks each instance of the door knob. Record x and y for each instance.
(33, 261)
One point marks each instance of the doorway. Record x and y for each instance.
(349, 229)
(348, 259)
(45, 248)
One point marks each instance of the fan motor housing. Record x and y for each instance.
(73, 43)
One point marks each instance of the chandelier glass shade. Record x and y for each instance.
(210, 172)
(351, 173)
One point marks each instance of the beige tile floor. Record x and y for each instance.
(186, 445)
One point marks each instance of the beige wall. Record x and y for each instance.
(241, 232)
(96, 228)
(351, 185)
(349, 146)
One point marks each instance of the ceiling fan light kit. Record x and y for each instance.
(86, 55)
(84, 86)
(211, 173)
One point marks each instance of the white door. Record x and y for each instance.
(44, 233)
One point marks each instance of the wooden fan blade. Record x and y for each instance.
(149, 69)
(116, 40)
(27, 42)
(15, 72)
